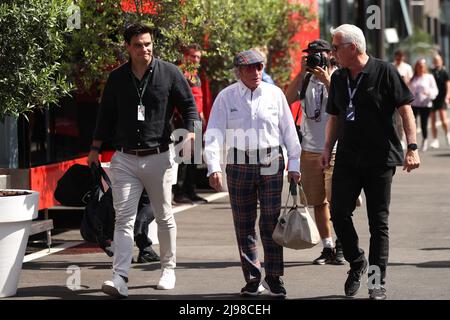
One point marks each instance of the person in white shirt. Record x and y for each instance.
(424, 88)
(252, 119)
(404, 69)
(406, 72)
(311, 86)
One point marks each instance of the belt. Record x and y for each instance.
(254, 156)
(145, 152)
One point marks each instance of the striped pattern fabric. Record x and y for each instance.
(245, 186)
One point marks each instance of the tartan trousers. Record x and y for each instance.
(245, 186)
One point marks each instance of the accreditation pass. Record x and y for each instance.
(141, 112)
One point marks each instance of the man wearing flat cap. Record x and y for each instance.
(251, 119)
(311, 87)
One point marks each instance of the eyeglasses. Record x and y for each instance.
(251, 67)
(336, 47)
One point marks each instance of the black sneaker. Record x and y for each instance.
(377, 293)
(353, 282)
(147, 256)
(275, 286)
(251, 289)
(327, 256)
(182, 200)
(195, 198)
(338, 254)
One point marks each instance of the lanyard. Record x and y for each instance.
(141, 92)
(318, 100)
(350, 113)
(351, 93)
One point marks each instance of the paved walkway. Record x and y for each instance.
(208, 265)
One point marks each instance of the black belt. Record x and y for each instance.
(253, 156)
(145, 152)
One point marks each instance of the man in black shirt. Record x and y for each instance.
(362, 99)
(135, 115)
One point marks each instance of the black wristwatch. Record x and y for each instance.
(412, 146)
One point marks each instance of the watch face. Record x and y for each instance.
(412, 146)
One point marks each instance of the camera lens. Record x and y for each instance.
(313, 60)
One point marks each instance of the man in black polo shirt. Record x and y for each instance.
(362, 99)
(135, 115)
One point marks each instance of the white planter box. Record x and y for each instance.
(16, 214)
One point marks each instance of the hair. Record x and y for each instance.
(194, 46)
(352, 34)
(419, 61)
(437, 56)
(400, 53)
(237, 74)
(135, 29)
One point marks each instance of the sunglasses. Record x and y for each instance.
(251, 67)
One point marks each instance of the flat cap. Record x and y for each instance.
(247, 57)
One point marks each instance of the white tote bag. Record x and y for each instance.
(295, 228)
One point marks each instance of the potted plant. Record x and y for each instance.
(32, 36)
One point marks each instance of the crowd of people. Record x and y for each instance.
(358, 125)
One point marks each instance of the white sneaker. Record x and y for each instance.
(167, 280)
(424, 145)
(434, 144)
(116, 287)
(448, 139)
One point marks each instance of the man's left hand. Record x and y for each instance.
(188, 144)
(322, 75)
(412, 160)
(294, 175)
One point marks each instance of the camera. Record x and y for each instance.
(314, 60)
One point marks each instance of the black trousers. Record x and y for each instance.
(143, 219)
(346, 186)
(185, 180)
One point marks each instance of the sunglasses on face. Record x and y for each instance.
(251, 67)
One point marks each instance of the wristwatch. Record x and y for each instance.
(412, 146)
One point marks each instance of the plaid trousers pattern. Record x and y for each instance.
(245, 185)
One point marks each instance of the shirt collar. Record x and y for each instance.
(150, 67)
(368, 68)
(243, 89)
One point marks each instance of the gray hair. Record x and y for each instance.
(237, 74)
(351, 34)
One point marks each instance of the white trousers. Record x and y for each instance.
(129, 176)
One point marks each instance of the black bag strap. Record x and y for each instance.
(305, 84)
(98, 173)
(302, 93)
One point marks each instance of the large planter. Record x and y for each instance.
(16, 214)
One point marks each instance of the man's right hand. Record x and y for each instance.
(93, 158)
(215, 181)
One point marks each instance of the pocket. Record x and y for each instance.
(235, 123)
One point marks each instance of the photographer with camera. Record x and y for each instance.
(311, 87)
